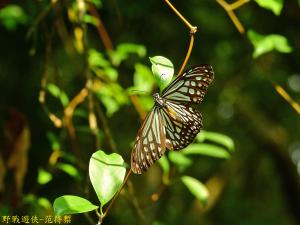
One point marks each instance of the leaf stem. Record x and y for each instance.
(238, 4)
(180, 16)
(103, 34)
(117, 194)
(193, 30)
(279, 89)
(187, 55)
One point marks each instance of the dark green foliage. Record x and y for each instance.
(244, 165)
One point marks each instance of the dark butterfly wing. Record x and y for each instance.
(191, 86)
(182, 124)
(175, 124)
(150, 143)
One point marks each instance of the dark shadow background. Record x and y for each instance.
(259, 185)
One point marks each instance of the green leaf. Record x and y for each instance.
(196, 188)
(163, 70)
(101, 66)
(35, 203)
(71, 204)
(263, 44)
(44, 202)
(113, 96)
(124, 50)
(91, 20)
(146, 102)
(52, 137)
(69, 169)
(44, 176)
(12, 15)
(97, 3)
(142, 78)
(179, 159)
(217, 138)
(165, 165)
(273, 5)
(206, 149)
(58, 93)
(97, 59)
(107, 173)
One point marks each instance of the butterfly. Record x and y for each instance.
(173, 122)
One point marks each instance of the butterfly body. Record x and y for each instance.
(173, 122)
(159, 100)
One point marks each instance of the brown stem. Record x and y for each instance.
(101, 28)
(229, 9)
(137, 105)
(295, 105)
(193, 30)
(187, 55)
(117, 194)
(180, 16)
(238, 4)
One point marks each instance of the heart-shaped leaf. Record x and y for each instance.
(163, 70)
(107, 173)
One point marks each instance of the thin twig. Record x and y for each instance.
(180, 16)
(117, 194)
(138, 107)
(193, 30)
(229, 9)
(57, 122)
(101, 28)
(280, 90)
(236, 22)
(135, 202)
(106, 129)
(187, 55)
(68, 118)
(79, 98)
(238, 4)
(295, 105)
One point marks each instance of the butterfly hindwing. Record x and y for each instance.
(191, 86)
(182, 124)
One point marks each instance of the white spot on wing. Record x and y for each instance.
(192, 91)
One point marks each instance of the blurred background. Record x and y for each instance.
(68, 71)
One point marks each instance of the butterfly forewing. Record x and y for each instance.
(173, 122)
(150, 143)
(191, 86)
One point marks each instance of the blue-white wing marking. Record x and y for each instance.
(150, 143)
(174, 124)
(191, 86)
